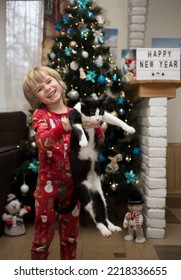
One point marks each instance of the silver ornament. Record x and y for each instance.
(73, 94)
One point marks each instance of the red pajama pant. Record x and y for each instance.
(46, 219)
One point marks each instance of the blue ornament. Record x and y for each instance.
(115, 78)
(101, 80)
(65, 20)
(101, 158)
(82, 3)
(58, 27)
(91, 76)
(34, 165)
(70, 31)
(131, 177)
(136, 151)
(121, 101)
(68, 51)
(90, 14)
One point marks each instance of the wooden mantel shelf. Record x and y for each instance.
(139, 89)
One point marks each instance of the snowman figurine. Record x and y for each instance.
(13, 217)
(133, 219)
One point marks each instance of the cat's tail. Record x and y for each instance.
(69, 208)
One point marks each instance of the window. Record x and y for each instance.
(24, 33)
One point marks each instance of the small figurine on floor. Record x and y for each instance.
(133, 219)
(13, 217)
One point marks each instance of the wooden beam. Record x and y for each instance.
(139, 89)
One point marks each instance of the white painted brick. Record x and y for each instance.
(157, 142)
(158, 111)
(136, 43)
(155, 172)
(136, 35)
(155, 233)
(153, 112)
(137, 27)
(154, 152)
(155, 122)
(155, 213)
(155, 202)
(154, 162)
(154, 132)
(155, 223)
(155, 183)
(138, 11)
(138, 19)
(158, 193)
(155, 102)
(138, 3)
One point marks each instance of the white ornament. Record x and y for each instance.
(24, 188)
(85, 54)
(74, 65)
(82, 73)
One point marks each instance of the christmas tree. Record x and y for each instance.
(25, 177)
(84, 62)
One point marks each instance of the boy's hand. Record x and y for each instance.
(66, 124)
(88, 125)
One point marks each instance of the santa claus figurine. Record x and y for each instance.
(133, 219)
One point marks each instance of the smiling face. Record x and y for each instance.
(49, 91)
(43, 84)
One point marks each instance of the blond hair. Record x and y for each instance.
(37, 75)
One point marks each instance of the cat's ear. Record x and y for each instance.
(82, 101)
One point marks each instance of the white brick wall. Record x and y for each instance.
(153, 135)
(153, 138)
(137, 23)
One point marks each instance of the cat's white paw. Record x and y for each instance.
(113, 228)
(83, 143)
(116, 228)
(104, 230)
(131, 130)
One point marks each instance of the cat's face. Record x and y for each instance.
(92, 110)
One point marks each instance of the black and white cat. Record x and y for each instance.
(84, 159)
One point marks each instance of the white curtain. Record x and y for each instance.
(24, 33)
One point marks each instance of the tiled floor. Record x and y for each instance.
(92, 246)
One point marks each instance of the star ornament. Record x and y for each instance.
(131, 177)
(91, 76)
(34, 165)
(83, 3)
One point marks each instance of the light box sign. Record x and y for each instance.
(158, 63)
